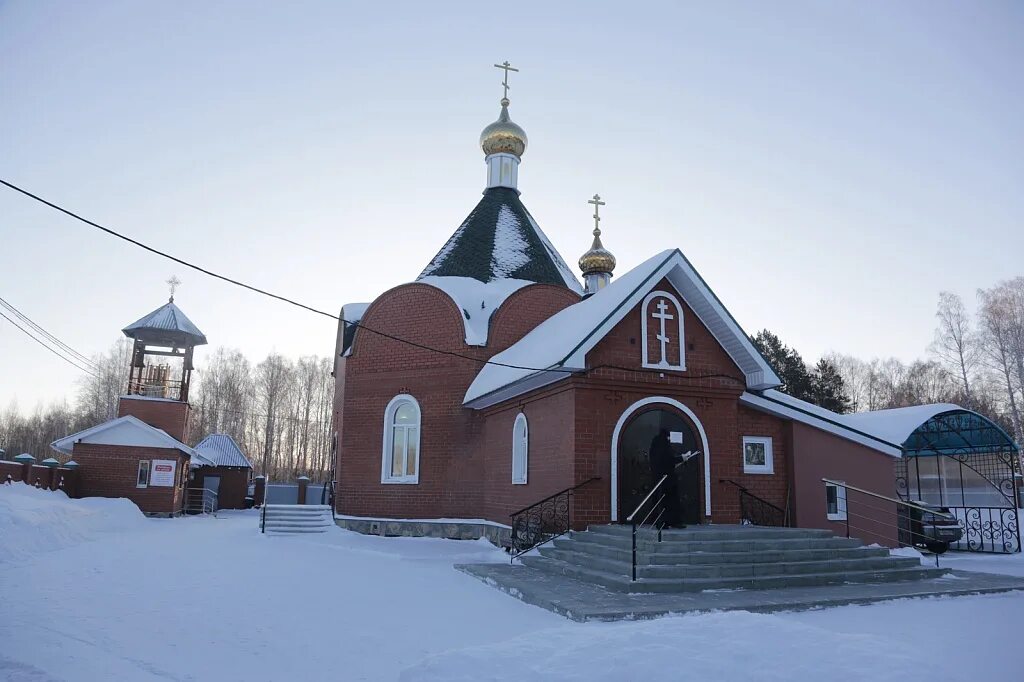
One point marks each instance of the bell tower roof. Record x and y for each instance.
(166, 326)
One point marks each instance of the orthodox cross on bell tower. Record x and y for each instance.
(506, 67)
(663, 316)
(173, 283)
(596, 201)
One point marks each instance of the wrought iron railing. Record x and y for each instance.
(756, 511)
(543, 521)
(654, 504)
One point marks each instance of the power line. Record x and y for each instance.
(65, 347)
(47, 347)
(250, 287)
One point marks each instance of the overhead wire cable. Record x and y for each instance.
(48, 347)
(65, 347)
(230, 280)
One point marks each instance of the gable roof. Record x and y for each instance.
(126, 430)
(166, 326)
(501, 240)
(558, 346)
(220, 449)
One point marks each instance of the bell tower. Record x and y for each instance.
(161, 368)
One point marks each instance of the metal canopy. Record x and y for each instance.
(166, 326)
(958, 432)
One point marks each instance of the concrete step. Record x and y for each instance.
(624, 553)
(278, 525)
(728, 570)
(676, 546)
(712, 532)
(622, 583)
(296, 530)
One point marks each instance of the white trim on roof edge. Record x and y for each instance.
(779, 409)
(694, 291)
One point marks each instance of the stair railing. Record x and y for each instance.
(263, 507)
(757, 511)
(883, 515)
(543, 521)
(655, 509)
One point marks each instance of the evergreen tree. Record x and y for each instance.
(787, 363)
(828, 388)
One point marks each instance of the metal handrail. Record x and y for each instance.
(629, 519)
(632, 517)
(845, 509)
(554, 495)
(759, 499)
(889, 499)
(545, 535)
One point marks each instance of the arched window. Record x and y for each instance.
(520, 449)
(401, 461)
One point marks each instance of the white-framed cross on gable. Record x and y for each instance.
(658, 310)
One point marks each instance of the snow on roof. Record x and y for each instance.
(883, 430)
(897, 424)
(501, 240)
(351, 314)
(221, 450)
(126, 430)
(559, 344)
(167, 324)
(476, 300)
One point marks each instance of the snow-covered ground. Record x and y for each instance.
(114, 596)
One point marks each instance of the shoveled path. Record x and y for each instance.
(582, 601)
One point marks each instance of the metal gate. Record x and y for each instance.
(962, 461)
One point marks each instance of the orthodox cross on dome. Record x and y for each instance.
(662, 315)
(173, 283)
(507, 67)
(596, 201)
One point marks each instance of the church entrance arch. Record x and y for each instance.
(630, 470)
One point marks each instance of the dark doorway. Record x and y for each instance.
(634, 463)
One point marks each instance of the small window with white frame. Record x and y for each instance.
(401, 455)
(757, 455)
(143, 479)
(520, 449)
(835, 502)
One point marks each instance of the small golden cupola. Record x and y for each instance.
(598, 263)
(503, 143)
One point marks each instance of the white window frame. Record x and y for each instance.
(389, 440)
(149, 467)
(521, 419)
(769, 458)
(841, 514)
(645, 359)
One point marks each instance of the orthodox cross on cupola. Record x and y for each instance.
(504, 83)
(172, 284)
(598, 263)
(661, 332)
(503, 142)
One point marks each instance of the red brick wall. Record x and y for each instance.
(170, 416)
(550, 465)
(12, 469)
(112, 471)
(454, 475)
(818, 454)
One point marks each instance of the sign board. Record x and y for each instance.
(162, 472)
(675, 437)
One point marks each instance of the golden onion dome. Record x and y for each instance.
(598, 258)
(503, 136)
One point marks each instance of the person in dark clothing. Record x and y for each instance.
(663, 462)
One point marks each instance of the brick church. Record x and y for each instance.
(520, 382)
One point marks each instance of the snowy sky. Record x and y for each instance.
(827, 167)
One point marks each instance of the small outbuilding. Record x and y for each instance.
(222, 468)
